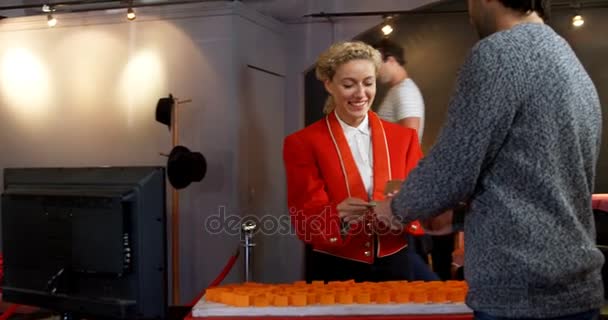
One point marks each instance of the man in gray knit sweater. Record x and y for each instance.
(520, 149)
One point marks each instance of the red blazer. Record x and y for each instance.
(321, 172)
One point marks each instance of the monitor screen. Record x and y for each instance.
(86, 241)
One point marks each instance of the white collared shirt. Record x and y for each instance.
(360, 140)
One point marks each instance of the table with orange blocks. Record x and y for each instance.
(336, 300)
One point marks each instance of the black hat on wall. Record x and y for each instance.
(184, 167)
(164, 107)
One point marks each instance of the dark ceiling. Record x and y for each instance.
(461, 5)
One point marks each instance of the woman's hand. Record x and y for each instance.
(352, 209)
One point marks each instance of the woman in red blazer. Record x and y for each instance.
(337, 167)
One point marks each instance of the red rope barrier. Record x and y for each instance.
(13, 307)
(219, 278)
(9, 311)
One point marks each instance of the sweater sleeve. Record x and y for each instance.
(480, 115)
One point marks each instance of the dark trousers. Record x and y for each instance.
(443, 246)
(587, 315)
(422, 245)
(399, 266)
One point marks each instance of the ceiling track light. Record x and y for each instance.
(131, 14)
(387, 27)
(578, 20)
(51, 21)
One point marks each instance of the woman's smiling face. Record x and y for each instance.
(353, 88)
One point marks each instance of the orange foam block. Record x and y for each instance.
(261, 301)
(327, 298)
(419, 296)
(297, 300)
(438, 296)
(241, 300)
(345, 298)
(281, 301)
(383, 297)
(363, 298)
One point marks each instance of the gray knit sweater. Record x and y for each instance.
(520, 145)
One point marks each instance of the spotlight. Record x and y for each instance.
(50, 20)
(131, 14)
(387, 29)
(578, 21)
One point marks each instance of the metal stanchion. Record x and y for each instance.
(248, 229)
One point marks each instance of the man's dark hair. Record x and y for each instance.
(542, 7)
(389, 48)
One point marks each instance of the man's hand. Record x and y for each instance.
(458, 257)
(384, 214)
(439, 225)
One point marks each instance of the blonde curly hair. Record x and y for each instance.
(339, 54)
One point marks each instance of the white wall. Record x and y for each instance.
(84, 94)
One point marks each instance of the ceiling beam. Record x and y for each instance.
(376, 13)
(55, 4)
(80, 5)
(430, 10)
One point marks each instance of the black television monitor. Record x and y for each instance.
(89, 242)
